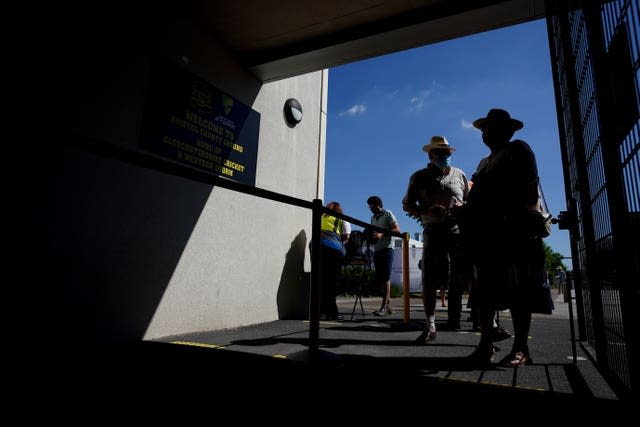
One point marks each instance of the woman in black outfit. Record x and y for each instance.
(509, 263)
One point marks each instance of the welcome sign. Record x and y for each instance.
(190, 121)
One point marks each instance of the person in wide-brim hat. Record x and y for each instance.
(498, 117)
(437, 142)
(507, 182)
(434, 196)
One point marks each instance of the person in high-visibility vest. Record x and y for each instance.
(334, 233)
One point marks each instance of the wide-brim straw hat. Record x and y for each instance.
(438, 142)
(499, 117)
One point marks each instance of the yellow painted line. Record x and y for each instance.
(463, 380)
(198, 344)
(530, 388)
(460, 380)
(218, 347)
(510, 386)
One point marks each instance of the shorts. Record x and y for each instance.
(383, 261)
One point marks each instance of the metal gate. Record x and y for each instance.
(595, 54)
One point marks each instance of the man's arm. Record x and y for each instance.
(467, 188)
(394, 227)
(409, 202)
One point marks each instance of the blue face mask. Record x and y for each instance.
(442, 161)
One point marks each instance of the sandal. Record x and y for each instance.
(514, 360)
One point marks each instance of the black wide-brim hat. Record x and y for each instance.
(499, 117)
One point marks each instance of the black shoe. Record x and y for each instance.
(426, 337)
(482, 357)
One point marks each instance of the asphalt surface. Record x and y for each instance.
(372, 353)
(365, 370)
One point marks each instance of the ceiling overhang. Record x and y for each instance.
(283, 38)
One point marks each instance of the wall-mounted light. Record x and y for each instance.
(292, 112)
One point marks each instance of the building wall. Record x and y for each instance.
(132, 253)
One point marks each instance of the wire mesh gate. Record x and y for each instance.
(595, 49)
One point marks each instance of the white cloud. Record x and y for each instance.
(354, 111)
(465, 124)
(417, 102)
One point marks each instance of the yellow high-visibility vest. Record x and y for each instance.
(331, 223)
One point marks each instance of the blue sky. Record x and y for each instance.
(383, 110)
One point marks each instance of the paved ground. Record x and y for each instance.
(366, 371)
(371, 350)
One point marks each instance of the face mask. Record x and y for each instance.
(442, 162)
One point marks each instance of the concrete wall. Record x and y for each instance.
(132, 253)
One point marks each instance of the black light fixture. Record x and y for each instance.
(292, 112)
